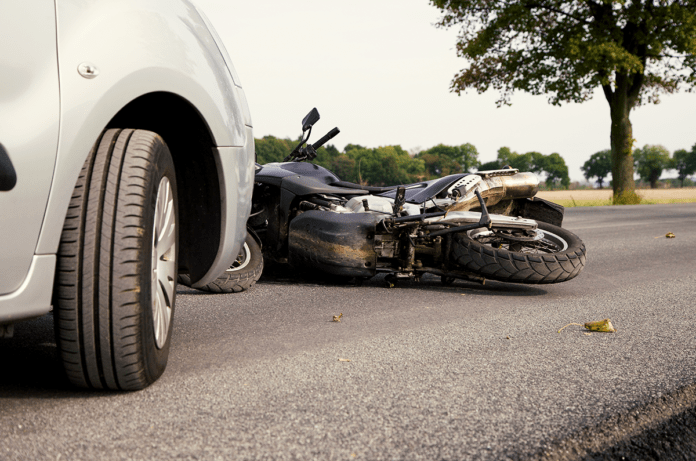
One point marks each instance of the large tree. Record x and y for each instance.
(633, 50)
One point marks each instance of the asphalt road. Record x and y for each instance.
(459, 372)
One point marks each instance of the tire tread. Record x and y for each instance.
(511, 266)
(99, 262)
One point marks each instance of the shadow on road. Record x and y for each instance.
(428, 282)
(30, 366)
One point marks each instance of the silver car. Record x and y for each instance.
(126, 157)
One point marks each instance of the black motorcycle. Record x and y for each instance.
(484, 225)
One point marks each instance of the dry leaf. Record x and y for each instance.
(601, 325)
(587, 334)
(670, 235)
(343, 360)
(337, 318)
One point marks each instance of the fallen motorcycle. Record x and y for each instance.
(484, 225)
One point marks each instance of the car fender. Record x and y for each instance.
(111, 52)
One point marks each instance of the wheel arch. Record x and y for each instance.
(191, 144)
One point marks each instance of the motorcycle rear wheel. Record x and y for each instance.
(553, 255)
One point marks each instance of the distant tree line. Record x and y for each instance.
(650, 162)
(390, 165)
(552, 165)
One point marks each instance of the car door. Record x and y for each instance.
(29, 122)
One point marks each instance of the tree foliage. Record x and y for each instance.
(391, 165)
(598, 166)
(492, 165)
(651, 161)
(684, 162)
(271, 149)
(388, 165)
(553, 165)
(556, 171)
(442, 160)
(633, 50)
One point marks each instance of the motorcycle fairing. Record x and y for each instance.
(306, 185)
(295, 186)
(273, 173)
(336, 243)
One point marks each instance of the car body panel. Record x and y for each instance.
(134, 48)
(29, 109)
(235, 212)
(33, 297)
(176, 55)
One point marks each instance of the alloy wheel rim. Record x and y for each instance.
(163, 262)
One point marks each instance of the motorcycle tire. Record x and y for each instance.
(240, 276)
(557, 257)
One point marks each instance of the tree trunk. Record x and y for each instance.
(621, 147)
(621, 100)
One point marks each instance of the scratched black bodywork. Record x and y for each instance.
(339, 244)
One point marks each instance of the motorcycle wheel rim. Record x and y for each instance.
(542, 242)
(243, 259)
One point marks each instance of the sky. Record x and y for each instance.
(381, 71)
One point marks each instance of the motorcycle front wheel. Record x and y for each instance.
(550, 254)
(241, 275)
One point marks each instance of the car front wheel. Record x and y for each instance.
(117, 264)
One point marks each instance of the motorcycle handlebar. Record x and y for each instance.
(327, 137)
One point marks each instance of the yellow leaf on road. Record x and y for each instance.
(601, 325)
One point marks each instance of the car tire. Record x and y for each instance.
(241, 275)
(117, 263)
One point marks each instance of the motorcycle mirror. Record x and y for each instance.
(310, 119)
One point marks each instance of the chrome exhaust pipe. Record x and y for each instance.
(495, 188)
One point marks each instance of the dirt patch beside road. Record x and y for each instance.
(599, 197)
